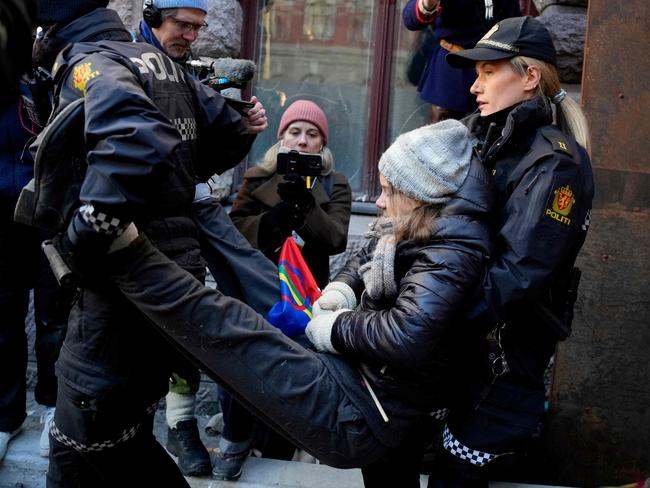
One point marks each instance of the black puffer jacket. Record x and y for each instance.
(407, 346)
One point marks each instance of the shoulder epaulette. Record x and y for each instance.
(559, 141)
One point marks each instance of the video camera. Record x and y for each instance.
(302, 164)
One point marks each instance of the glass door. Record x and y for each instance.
(318, 50)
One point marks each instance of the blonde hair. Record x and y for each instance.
(418, 224)
(569, 116)
(270, 159)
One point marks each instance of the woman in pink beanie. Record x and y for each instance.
(268, 208)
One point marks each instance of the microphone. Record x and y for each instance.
(236, 70)
(226, 72)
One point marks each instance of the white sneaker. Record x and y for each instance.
(46, 419)
(5, 437)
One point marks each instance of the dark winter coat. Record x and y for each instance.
(408, 345)
(16, 164)
(461, 22)
(150, 132)
(325, 231)
(544, 188)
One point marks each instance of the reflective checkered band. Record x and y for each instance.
(124, 436)
(477, 458)
(186, 127)
(100, 222)
(585, 226)
(440, 414)
(499, 45)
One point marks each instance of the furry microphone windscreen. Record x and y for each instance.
(236, 70)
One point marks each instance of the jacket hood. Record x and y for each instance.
(99, 24)
(474, 197)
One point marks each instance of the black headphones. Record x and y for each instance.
(151, 14)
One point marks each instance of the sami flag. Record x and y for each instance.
(298, 292)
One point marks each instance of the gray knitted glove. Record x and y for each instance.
(319, 330)
(335, 296)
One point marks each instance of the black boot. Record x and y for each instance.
(185, 443)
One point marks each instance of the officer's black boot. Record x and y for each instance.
(184, 442)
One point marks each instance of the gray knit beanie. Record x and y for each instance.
(429, 163)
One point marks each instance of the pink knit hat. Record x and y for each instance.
(307, 111)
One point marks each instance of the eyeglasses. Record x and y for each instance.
(185, 27)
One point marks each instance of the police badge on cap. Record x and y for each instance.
(516, 36)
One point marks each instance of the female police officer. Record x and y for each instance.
(532, 139)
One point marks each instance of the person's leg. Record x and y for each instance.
(287, 386)
(110, 463)
(52, 305)
(450, 471)
(183, 439)
(273, 445)
(240, 270)
(235, 442)
(401, 466)
(17, 253)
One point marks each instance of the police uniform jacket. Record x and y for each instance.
(407, 346)
(544, 190)
(147, 127)
(325, 230)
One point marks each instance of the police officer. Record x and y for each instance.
(172, 26)
(149, 130)
(544, 186)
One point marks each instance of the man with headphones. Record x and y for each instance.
(173, 25)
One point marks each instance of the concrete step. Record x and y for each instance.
(24, 468)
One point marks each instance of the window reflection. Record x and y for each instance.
(318, 50)
(320, 19)
(407, 110)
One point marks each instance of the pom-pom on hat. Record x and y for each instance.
(163, 4)
(430, 163)
(307, 111)
(65, 11)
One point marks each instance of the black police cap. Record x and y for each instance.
(516, 36)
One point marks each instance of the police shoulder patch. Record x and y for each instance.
(561, 202)
(81, 74)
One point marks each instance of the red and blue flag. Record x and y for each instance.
(298, 291)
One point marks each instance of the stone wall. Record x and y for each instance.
(566, 20)
(221, 39)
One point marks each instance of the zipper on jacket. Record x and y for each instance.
(530, 185)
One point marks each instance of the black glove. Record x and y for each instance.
(83, 250)
(284, 216)
(294, 191)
